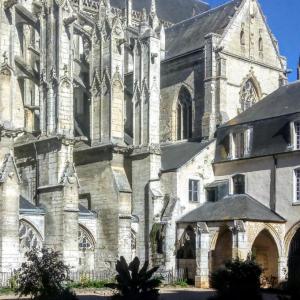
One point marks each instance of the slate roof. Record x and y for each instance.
(284, 101)
(232, 207)
(27, 206)
(172, 11)
(189, 35)
(175, 155)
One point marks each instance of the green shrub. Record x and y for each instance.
(181, 283)
(88, 283)
(43, 276)
(134, 283)
(238, 280)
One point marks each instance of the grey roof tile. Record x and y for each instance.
(175, 155)
(232, 207)
(172, 11)
(189, 35)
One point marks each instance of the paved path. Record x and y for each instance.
(177, 294)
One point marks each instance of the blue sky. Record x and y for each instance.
(283, 17)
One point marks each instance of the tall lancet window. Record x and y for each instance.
(249, 95)
(184, 115)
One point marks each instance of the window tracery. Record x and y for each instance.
(249, 95)
(85, 240)
(29, 237)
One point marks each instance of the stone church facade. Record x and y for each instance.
(108, 114)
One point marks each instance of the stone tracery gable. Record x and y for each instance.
(249, 95)
(85, 240)
(29, 237)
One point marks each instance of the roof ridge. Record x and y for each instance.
(202, 14)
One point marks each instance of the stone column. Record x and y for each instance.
(202, 250)
(282, 268)
(239, 240)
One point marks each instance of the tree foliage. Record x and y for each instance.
(43, 276)
(238, 280)
(134, 283)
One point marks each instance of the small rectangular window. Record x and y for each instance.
(193, 190)
(297, 185)
(297, 135)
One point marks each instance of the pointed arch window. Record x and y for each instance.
(85, 240)
(249, 95)
(184, 115)
(29, 237)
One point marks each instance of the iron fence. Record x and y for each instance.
(167, 276)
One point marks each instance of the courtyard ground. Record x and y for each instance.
(166, 294)
(175, 294)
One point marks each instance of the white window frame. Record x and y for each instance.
(247, 143)
(295, 135)
(191, 200)
(296, 186)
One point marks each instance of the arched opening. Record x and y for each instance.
(294, 260)
(29, 237)
(265, 252)
(86, 246)
(223, 249)
(186, 253)
(249, 94)
(184, 115)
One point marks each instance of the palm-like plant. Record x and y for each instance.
(134, 283)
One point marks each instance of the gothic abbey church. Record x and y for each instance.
(112, 121)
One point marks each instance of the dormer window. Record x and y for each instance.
(241, 143)
(295, 135)
(238, 184)
(297, 186)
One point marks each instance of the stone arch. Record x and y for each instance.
(186, 252)
(266, 253)
(275, 235)
(86, 245)
(294, 257)
(29, 237)
(289, 236)
(221, 248)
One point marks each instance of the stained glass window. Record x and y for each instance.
(85, 240)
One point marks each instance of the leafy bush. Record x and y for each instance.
(238, 280)
(134, 284)
(43, 276)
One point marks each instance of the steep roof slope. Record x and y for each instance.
(284, 101)
(175, 155)
(172, 11)
(189, 35)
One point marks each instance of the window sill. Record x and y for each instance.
(296, 203)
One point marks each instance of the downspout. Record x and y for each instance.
(273, 188)
(37, 179)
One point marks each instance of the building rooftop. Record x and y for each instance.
(175, 155)
(189, 35)
(172, 11)
(232, 207)
(284, 101)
